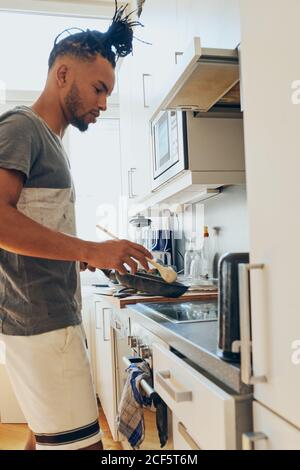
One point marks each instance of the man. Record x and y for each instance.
(40, 320)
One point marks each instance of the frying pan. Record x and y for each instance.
(147, 283)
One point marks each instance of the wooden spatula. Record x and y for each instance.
(167, 273)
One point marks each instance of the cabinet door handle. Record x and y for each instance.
(241, 77)
(244, 297)
(188, 439)
(105, 338)
(129, 184)
(97, 316)
(249, 439)
(146, 98)
(132, 195)
(177, 55)
(162, 377)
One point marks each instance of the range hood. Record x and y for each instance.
(205, 79)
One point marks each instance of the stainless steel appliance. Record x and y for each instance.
(181, 141)
(229, 310)
(168, 140)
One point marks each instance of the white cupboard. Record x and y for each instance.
(182, 440)
(204, 413)
(271, 432)
(272, 140)
(216, 22)
(141, 79)
(170, 27)
(105, 364)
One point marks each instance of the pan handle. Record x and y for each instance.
(110, 274)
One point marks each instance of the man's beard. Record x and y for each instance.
(74, 104)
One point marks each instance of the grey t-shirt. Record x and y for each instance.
(36, 294)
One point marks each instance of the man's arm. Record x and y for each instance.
(22, 235)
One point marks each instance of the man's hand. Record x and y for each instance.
(114, 254)
(85, 266)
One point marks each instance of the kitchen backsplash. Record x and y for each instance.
(227, 211)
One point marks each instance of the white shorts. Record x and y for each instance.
(52, 380)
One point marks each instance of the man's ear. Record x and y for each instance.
(62, 75)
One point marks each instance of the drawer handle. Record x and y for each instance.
(146, 77)
(249, 439)
(105, 337)
(97, 315)
(162, 377)
(188, 439)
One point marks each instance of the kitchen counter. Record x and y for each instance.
(196, 341)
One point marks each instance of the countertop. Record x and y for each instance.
(196, 341)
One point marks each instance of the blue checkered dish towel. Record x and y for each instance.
(131, 416)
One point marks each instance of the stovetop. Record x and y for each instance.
(185, 312)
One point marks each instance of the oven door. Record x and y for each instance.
(168, 152)
(151, 441)
(123, 353)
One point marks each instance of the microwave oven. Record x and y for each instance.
(182, 141)
(169, 152)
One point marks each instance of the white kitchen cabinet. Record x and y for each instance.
(205, 411)
(216, 22)
(170, 27)
(134, 135)
(141, 77)
(272, 141)
(270, 432)
(88, 321)
(125, 83)
(160, 20)
(182, 440)
(105, 364)
(134, 87)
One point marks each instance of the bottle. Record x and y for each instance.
(215, 251)
(206, 261)
(188, 258)
(196, 267)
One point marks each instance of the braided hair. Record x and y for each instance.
(85, 45)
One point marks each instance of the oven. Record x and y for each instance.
(132, 342)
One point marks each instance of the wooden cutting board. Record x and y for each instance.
(187, 297)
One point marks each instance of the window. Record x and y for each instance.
(27, 40)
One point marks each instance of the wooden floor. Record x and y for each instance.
(13, 436)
